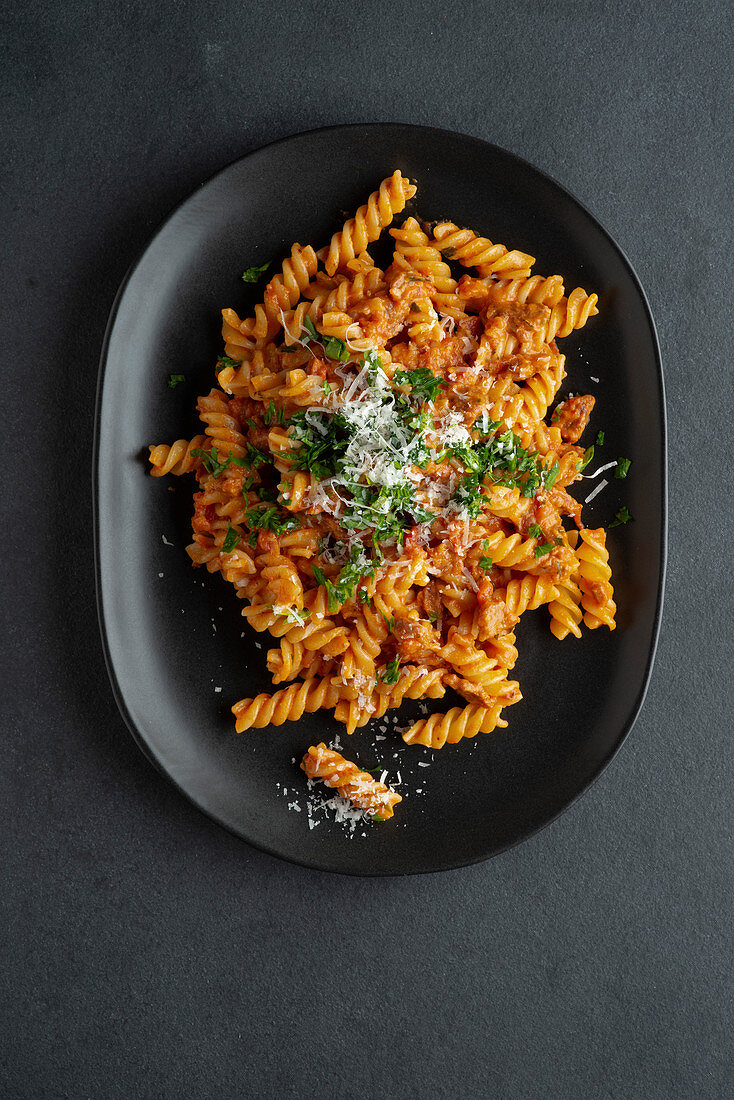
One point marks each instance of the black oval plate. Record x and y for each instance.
(159, 615)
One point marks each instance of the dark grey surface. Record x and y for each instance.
(149, 953)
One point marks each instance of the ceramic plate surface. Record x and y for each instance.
(159, 615)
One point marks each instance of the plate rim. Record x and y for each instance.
(139, 739)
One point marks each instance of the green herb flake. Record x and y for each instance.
(336, 349)
(543, 549)
(268, 517)
(345, 585)
(588, 455)
(600, 439)
(392, 671)
(535, 530)
(273, 415)
(621, 517)
(623, 465)
(256, 457)
(311, 330)
(253, 274)
(175, 380)
(372, 361)
(424, 384)
(485, 563)
(210, 461)
(230, 539)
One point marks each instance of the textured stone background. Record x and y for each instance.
(149, 953)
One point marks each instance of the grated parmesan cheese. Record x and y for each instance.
(596, 491)
(607, 466)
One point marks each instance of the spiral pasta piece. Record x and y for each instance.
(528, 594)
(565, 610)
(594, 579)
(422, 256)
(472, 251)
(452, 727)
(286, 705)
(351, 783)
(369, 221)
(176, 459)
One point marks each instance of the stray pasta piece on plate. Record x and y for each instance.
(381, 482)
(350, 782)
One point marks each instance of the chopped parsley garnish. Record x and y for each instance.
(216, 466)
(372, 361)
(390, 623)
(376, 817)
(294, 615)
(600, 439)
(266, 494)
(256, 457)
(323, 440)
(543, 549)
(336, 349)
(485, 563)
(551, 473)
(499, 459)
(341, 589)
(225, 361)
(588, 455)
(622, 516)
(388, 509)
(175, 379)
(623, 465)
(364, 596)
(268, 517)
(469, 496)
(535, 530)
(272, 414)
(425, 386)
(252, 274)
(391, 674)
(230, 539)
(210, 460)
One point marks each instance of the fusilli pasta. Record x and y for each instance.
(377, 480)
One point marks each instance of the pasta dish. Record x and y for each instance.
(381, 477)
